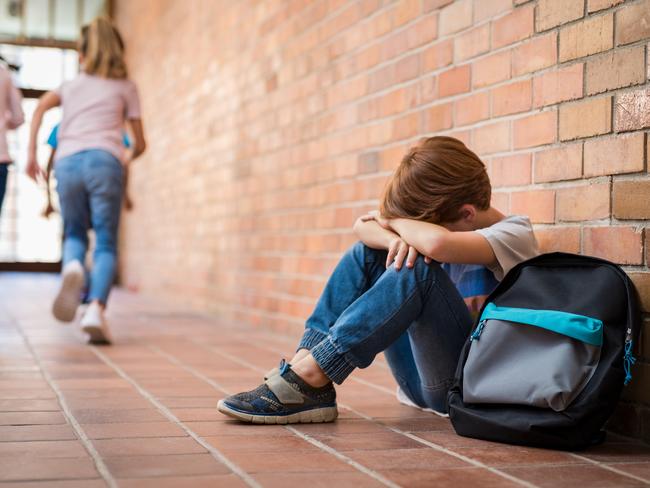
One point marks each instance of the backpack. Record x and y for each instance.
(549, 355)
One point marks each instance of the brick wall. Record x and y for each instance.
(273, 124)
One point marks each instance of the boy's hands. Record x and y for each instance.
(377, 217)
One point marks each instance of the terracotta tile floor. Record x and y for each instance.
(142, 413)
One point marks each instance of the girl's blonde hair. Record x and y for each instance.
(103, 49)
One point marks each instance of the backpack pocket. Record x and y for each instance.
(541, 358)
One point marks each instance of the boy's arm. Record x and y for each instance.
(443, 245)
(373, 235)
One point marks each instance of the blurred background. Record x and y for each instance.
(40, 36)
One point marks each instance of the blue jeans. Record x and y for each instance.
(416, 316)
(90, 187)
(4, 170)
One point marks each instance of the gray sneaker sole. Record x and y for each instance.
(313, 416)
(68, 299)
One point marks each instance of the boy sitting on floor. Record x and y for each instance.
(391, 291)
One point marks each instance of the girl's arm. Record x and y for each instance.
(48, 171)
(46, 102)
(443, 245)
(139, 144)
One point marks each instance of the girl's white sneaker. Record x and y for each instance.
(68, 299)
(94, 325)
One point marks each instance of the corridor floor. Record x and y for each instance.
(142, 413)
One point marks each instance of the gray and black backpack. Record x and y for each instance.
(547, 360)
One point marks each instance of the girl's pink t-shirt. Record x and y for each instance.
(94, 112)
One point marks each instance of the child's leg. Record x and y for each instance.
(359, 268)
(73, 200)
(76, 222)
(103, 176)
(422, 300)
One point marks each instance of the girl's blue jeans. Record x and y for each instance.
(90, 187)
(416, 316)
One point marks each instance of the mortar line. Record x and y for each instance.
(429, 444)
(359, 467)
(216, 454)
(101, 467)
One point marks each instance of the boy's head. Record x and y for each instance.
(438, 181)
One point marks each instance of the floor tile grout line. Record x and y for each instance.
(218, 455)
(359, 467)
(101, 467)
(610, 468)
(437, 447)
(577, 456)
(425, 442)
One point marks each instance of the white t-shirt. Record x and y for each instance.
(512, 240)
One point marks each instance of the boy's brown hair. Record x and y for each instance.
(433, 181)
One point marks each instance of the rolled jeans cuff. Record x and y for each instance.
(333, 364)
(310, 338)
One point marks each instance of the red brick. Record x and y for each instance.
(491, 69)
(486, 10)
(472, 108)
(539, 205)
(535, 130)
(472, 43)
(616, 69)
(437, 118)
(511, 98)
(621, 245)
(632, 110)
(405, 11)
(614, 155)
(642, 284)
(633, 23)
(560, 163)
(551, 13)
(406, 126)
(587, 118)
(513, 27)
(437, 56)
(630, 199)
(558, 85)
(510, 170)
(590, 36)
(454, 81)
(455, 17)
(501, 201)
(595, 5)
(491, 138)
(585, 202)
(558, 238)
(538, 53)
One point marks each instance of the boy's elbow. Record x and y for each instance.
(435, 247)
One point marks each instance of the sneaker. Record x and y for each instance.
(284, 398)
(94, 325)
(405, 400)
(69, 296)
